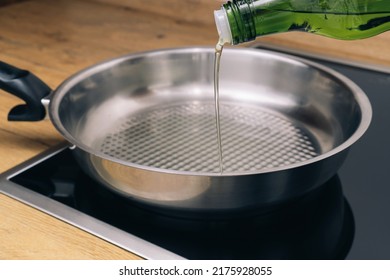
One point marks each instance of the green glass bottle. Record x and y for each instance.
(241, 21)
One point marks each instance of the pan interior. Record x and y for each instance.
(183, 137)
(157, 111)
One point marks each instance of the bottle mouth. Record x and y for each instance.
(223, 27)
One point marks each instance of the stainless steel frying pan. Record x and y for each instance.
(144, 125)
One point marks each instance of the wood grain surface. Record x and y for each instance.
(55, 39)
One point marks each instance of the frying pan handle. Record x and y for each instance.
(26, 86)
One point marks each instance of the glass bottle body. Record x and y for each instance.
(340, 19)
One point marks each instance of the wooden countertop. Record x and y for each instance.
(56, 39)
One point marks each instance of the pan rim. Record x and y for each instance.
(361, 99)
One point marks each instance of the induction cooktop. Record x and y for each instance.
(346, 218)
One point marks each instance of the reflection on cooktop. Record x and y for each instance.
(318, 225)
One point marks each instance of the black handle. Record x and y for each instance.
(26, 86)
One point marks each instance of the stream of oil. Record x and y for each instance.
(217, 60)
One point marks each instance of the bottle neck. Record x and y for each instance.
(240, 14)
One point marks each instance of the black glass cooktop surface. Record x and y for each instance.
(346, 218)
